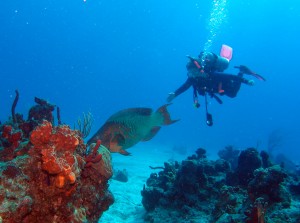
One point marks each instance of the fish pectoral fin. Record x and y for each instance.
(118, 139)
(116, 143)
(151, 134)
(124, 152)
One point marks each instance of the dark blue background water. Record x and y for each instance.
(103, 56)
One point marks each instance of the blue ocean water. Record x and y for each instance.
(102, 56)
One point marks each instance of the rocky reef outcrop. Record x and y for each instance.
(239, 189)
(46, 173)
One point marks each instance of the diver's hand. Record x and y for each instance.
(171, 96)
(250, 82)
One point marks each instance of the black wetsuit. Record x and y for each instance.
(214, 83)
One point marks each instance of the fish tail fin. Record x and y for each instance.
(163, 111)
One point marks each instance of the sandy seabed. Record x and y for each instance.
(128, 199)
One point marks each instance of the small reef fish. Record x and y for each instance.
(127, 127)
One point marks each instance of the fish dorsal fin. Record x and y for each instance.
(141, 111)
(131, 112)
(152, 133)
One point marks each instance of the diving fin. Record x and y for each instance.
(245, 70)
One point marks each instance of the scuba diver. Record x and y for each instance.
(205, 75)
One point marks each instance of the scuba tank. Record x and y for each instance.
(209, 62)
(213, 62)
(205, 65)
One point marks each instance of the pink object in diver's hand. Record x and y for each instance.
(226, 52)
(197, 64)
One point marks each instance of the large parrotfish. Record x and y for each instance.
(127, 127)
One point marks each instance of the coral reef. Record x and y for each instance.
(230, 154)
(57, 149)
(85, 125)
(202, 190)
(42, 111)
(248, 161)
(10, 141)
(46, 174)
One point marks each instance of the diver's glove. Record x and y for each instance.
(250, 82)
(171, 96)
